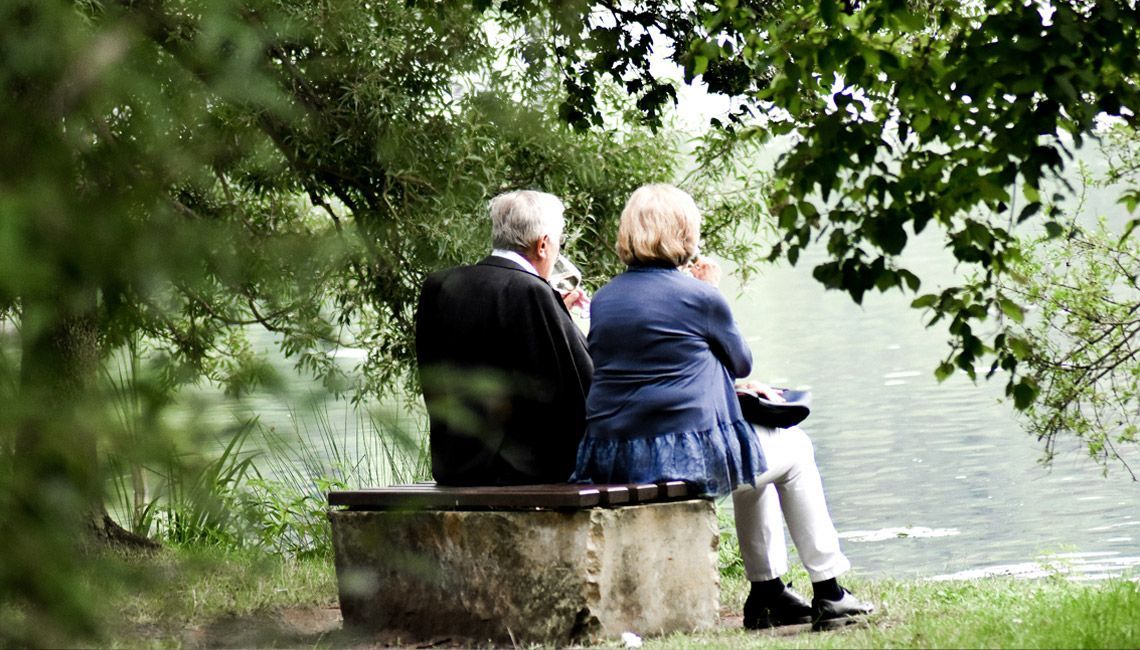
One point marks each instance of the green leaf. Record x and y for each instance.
(1130, 200)
(1024, 393)
(910, 21)
(1053, 229)
(1031, 193)
(921, 122)
(788, 216)
(944, 370)
(828, 11)
(1128, 231)
(913, 282)
(1067, 88)
(1028, 211)
(808, 209)
(885, 279)
(856, 66)
(922, 302)
(700, 64)
(1020, 347)
(1011, 309)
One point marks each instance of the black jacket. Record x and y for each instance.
(505, 374)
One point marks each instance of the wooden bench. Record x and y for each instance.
(555, 564)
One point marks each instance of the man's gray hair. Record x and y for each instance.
(522, 217)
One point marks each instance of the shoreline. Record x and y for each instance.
(220, 598)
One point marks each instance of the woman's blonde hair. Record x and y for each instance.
(660, 223)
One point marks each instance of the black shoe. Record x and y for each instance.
(834, 614)
(788, 608)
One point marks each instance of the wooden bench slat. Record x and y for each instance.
(478, 489)
(675, 489)
(433, 498)
(428, 496)
(614, 495)
(643, 492)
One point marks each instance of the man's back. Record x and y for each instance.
(505, 375)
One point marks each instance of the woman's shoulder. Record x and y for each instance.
(639, 285)
(635, 276)
(684, 284)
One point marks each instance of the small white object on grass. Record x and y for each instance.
(631, 640)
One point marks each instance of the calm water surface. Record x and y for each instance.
(924, 478)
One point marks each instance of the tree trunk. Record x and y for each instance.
(56, 444)
(108, 532)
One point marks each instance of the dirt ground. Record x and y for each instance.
(323, 627)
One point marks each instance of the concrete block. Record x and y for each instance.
(536, 576)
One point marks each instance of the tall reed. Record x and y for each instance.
(265, 487)
(287, 498)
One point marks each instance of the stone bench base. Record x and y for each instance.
(539, 576)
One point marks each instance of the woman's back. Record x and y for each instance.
(660, 366)
(662, 405)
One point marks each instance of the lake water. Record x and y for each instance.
(928, 479)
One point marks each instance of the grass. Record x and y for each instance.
(250, 599)
(991, 613)
(214, 596)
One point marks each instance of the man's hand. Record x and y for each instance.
(577, 298)
(706, 270)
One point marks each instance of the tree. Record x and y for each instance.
(1083, 335)
(177, 172)
(900, 116)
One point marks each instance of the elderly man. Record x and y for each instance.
(504, 369)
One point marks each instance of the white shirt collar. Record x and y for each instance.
(517, 259)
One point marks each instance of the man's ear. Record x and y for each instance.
(542, 247)
(537, 251)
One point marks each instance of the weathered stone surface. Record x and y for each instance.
(533, 576)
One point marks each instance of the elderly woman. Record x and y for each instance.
(663, 406)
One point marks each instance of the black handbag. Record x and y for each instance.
(776, 415)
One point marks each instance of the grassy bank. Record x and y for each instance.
(244, 599)
(213, 597)
(990, 613)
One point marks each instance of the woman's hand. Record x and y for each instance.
(706, 270)
(763, 390)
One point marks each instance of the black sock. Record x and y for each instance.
(827, 589)
(767, 589)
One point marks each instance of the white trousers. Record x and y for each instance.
(791, 490)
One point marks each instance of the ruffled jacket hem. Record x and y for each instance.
(717, 459)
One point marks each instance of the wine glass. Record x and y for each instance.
(565, 277)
